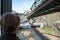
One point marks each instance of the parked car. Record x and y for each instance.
(28, 25)
(41, 25)
(25, 25)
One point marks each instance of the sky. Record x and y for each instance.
(21, 6)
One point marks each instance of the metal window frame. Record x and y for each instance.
(6, 6)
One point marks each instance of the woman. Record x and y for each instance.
(9, 25)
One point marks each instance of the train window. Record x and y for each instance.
(37, 27)
(39, 19)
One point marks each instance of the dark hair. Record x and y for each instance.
(9, 22)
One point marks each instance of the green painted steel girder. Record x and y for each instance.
(53, 6)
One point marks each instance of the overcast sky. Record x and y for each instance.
(21, 5)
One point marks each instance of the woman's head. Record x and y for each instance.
(9, 23)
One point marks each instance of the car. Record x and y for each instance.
(28, 25)
(41, 25)
(25, 25)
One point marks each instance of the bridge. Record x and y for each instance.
(47, 7)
